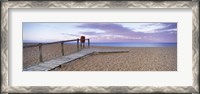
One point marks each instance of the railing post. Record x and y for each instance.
(88, 43)
(40, 50)
(78, 44)
(62, 45)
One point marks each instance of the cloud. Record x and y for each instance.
(168, 27)
(157, 31)
(108, 27)
(74, 35)
(111, 29)
(91, 33)
(156, 27)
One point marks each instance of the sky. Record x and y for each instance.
(100, 32)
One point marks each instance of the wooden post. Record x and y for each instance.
(78, 44)
(62, 45)
(40, 50)
(88, 43)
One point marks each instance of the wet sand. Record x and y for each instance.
(137, 59)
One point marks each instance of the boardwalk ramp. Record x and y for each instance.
(49, 65)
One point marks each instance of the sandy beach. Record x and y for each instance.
(137, 59)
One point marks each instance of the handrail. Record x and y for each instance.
(62, 45)
(49, 43)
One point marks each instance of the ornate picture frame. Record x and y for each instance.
(98, 4)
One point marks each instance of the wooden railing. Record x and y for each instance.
(62, 46)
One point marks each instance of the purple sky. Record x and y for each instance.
(101, 32)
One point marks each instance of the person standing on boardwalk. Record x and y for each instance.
(82, 40)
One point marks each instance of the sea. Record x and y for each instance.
(131, 44)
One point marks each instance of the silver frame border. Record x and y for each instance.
(99, 4)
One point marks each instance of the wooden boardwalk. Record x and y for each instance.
(49, 65)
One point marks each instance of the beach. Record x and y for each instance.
(137, 59)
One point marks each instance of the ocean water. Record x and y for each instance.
(131, 44)
(126, 44)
